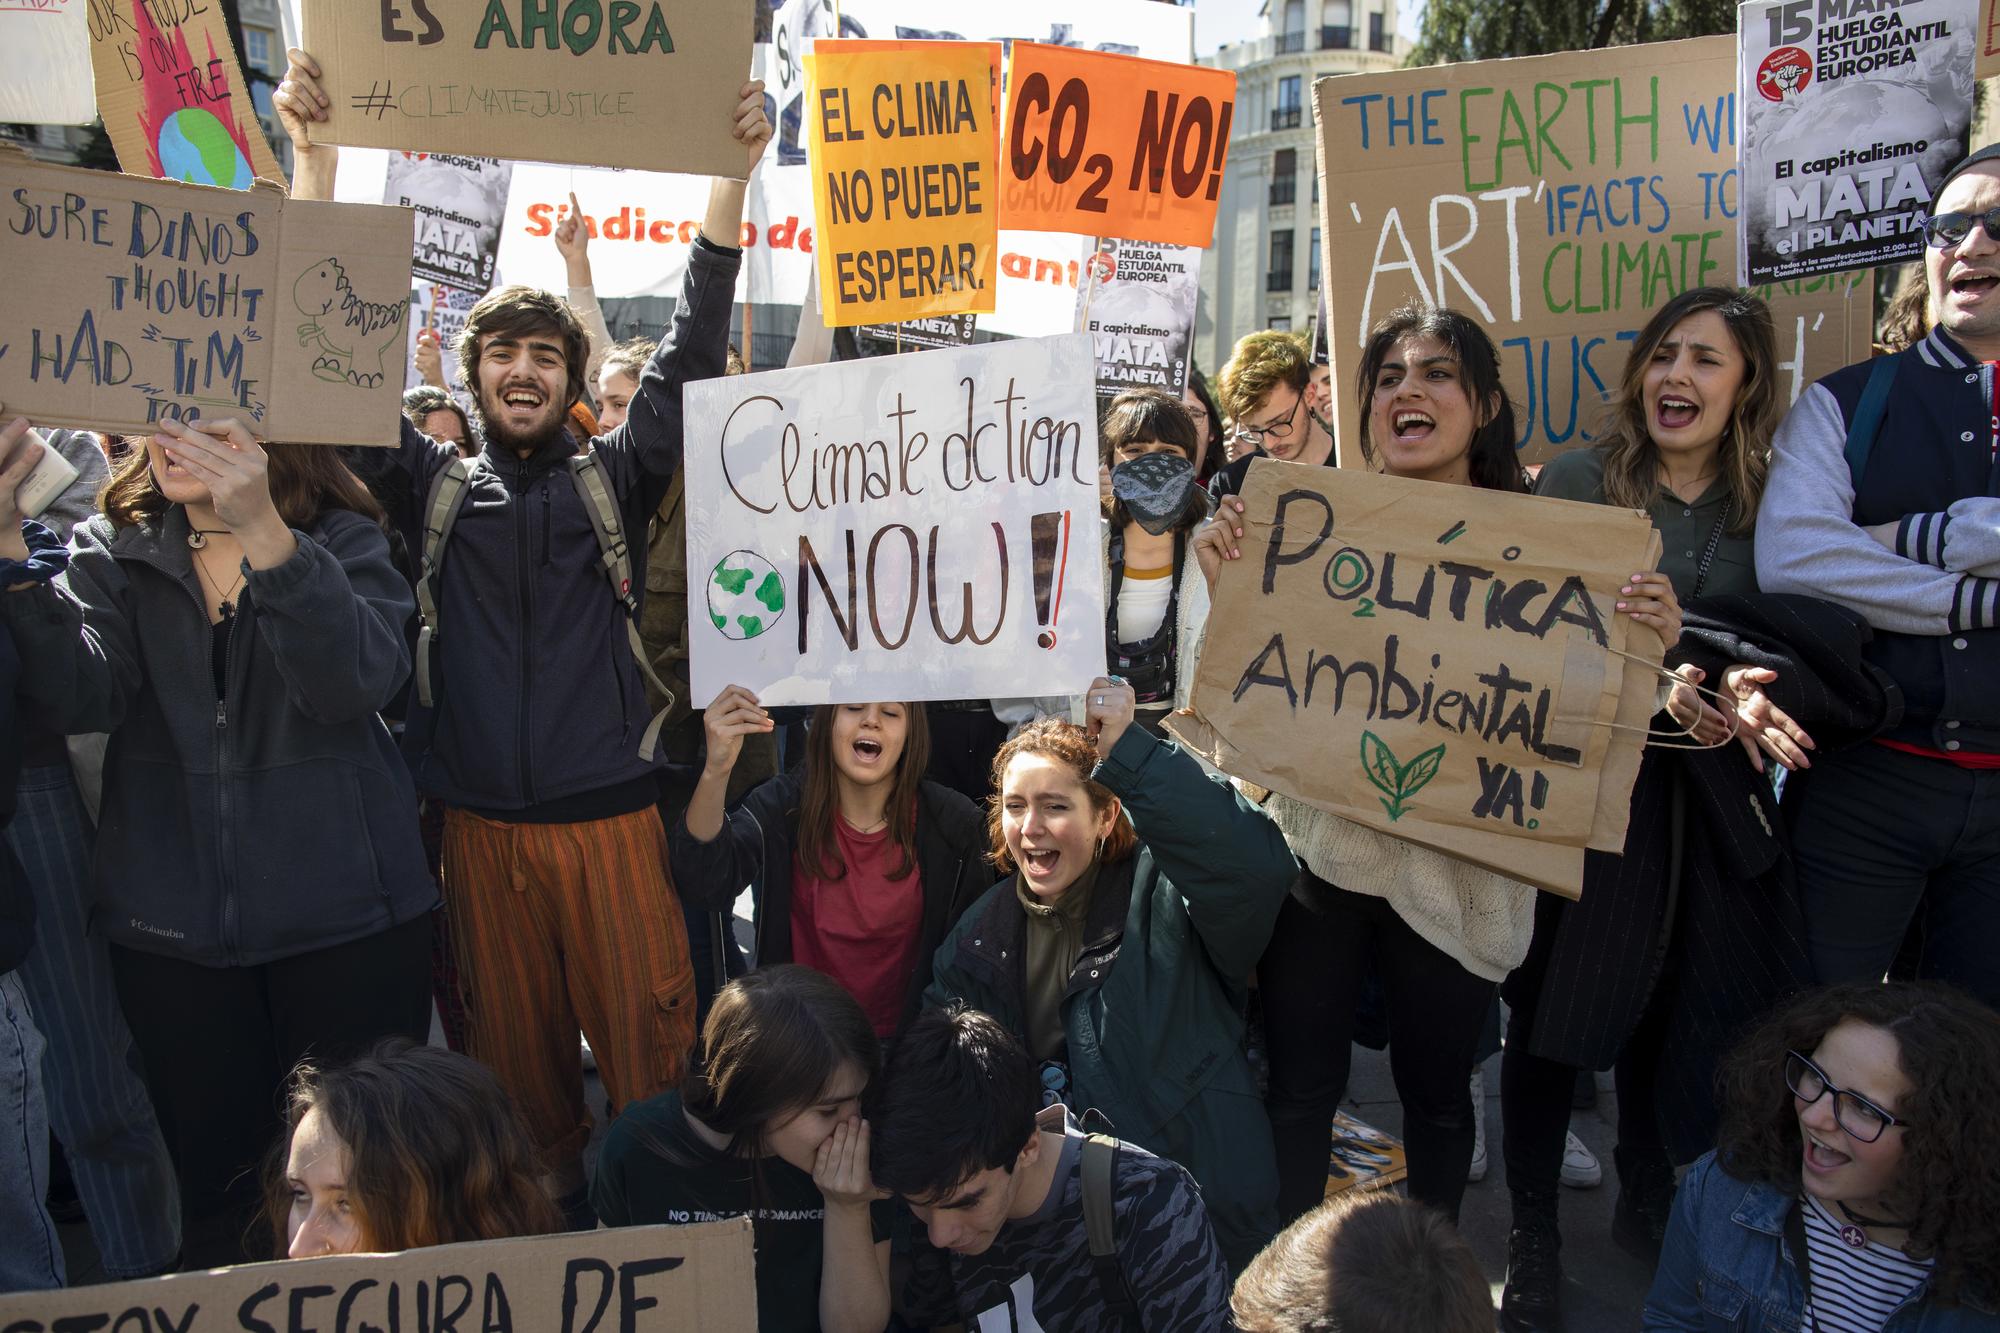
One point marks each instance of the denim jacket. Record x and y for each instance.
(1725, 1266)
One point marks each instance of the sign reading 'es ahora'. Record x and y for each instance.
(137, 300)
(913, 527)
(1559, 200)
(1113, 145)
(688, 1279)
(901, 153)
(617, 83)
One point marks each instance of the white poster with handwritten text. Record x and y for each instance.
(907, 527)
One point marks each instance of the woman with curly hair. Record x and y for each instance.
(405, 1147)
(1857, 1184)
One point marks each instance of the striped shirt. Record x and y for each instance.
(1854, 1290)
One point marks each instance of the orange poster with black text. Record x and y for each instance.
(1113, 145)
(902, 147)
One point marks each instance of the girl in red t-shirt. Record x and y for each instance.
(858, 864)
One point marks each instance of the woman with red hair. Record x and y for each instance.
(1139, 896)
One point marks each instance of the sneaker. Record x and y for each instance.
(1531, 1302)
(1477, 1171)
(1581, 1169)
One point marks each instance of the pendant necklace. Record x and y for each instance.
(227, 606)
(198, 537)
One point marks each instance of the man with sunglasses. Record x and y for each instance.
(1268, 392)
(1882, 497)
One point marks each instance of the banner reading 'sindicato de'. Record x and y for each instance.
(902, 150)
(1847, 123)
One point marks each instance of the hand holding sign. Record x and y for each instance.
(734, 715)
(20, 450)
(299, 100)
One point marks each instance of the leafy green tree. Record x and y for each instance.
(1454, 30)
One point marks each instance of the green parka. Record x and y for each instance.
(1154, 1010)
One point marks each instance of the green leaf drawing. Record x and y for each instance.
(1398, 782)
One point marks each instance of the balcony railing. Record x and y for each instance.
(1285, 118)
(1289, 43)
(1285, 190)
(1278, 280)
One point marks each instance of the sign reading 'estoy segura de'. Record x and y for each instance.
(1113, 145)
(901, 153)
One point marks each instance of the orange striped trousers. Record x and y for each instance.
(561, 926)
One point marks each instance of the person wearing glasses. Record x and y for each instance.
(1856, 1186)
(1882, 499)
(1268, 391)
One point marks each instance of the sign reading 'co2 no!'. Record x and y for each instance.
(1113, 145)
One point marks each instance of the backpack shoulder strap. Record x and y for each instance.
(617, 561)
(441, 506)
(1867, 422)
(1099, 1168)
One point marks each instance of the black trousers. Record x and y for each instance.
(1311, 979)
(216, 1045)
(1890, 844)
(1535, 1102)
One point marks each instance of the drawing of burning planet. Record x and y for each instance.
(745, 595)
(195, 146)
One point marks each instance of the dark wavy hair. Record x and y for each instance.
(1146, 416)
(1495, 464)
(959, 1097)
(437, 1151)
(1632, 460)
(306, 480)
(1948, 1045)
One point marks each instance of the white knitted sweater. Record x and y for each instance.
(1482, 919)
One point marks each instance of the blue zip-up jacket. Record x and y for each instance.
(537, 696)
(1725, 1267)
(275, 820)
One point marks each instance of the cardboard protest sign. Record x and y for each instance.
(1112, 145)
(1988, 64)
(633, 83)
(695, 1278)
(1559, 200)
(172, 94)
(1139, 314)
(902, 161)
(924, 334)
(902, 527)
(1441, 663)
(45, 76)
(460, 203)
(139, 300)
(1848, 120)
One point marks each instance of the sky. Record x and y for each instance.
(1218, 22)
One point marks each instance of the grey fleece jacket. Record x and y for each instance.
(275, 820)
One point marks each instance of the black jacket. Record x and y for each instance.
(1716, 945)
(275, 820)
(538, 697)
(757, 844)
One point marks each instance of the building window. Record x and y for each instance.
(1284, 176)
(1281, 323)
(257, 49)
(1279, 278)
(1286, 115)
(1336, 31)
(1292, 36)
(1312, 262)
(1378, 38)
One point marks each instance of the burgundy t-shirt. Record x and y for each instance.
(863, 929)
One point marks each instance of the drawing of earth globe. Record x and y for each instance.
(745, 595)
(196, 147)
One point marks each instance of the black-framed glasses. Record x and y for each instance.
(1854, 1113)
(1949, 229)
(1254, 436)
